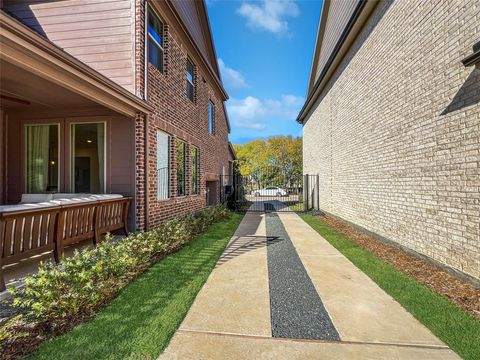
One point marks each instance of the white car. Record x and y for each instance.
(270, 191)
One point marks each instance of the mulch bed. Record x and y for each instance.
(464, 294)
(29, 334)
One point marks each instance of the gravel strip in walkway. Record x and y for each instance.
(296, 309)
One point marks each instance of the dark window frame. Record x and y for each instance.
(152, 41)
(195, 170)
(211, 117)
(59, 163)
(181, 176)
(168, 169)
(190, 83)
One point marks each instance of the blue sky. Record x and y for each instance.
(265, 50)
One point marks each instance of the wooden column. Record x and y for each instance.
(3, 144)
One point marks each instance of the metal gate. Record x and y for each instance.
(267, 190)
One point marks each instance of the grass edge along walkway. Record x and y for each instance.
(454, 326)
(140, 321)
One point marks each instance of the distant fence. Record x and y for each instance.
(270, 190)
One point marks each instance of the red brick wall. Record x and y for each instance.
(140, 172)
(140, 48)
(183, 120)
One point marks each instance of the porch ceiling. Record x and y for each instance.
(22, 90)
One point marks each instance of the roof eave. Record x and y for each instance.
(229, 129)
(232, 150)
(318, 43)
(21, 31)
(206, 63)
(354, 25)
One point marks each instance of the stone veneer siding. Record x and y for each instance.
(395, 135)
(183, 120)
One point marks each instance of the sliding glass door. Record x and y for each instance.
(87, 160)
(41, 158)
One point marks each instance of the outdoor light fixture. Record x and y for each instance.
(89, 141)
(474, 58)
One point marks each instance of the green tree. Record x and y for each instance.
(273, 161)
(285, 154)
(251, 156)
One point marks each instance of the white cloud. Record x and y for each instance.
(256, 114)
(287, 107)
(232, 79)
(246, 113)
(269, 15)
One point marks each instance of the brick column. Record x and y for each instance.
(140, 176)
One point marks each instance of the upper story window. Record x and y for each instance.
(189, 73)
(155, 41)
(211, 117)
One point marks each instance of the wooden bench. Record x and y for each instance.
(25, 233)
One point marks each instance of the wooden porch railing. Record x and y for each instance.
(25, 233)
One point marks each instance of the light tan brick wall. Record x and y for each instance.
(395, 136)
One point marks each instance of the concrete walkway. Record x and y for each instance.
(231, 317)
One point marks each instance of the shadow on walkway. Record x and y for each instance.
(245, 244)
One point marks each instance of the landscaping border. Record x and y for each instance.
(459, 287)
(455, 326)
(64, 295)
(441, 266)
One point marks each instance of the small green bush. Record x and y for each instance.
(78, 284)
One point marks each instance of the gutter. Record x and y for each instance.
(318, 43)
(363, 9)
(232, 150)
(204, 6)
(229, 129)
(217, 70)
(210, 69)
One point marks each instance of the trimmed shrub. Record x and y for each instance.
(80, 283)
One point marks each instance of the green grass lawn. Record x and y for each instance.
(294, 205)
(454, 326)
(139, 323)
